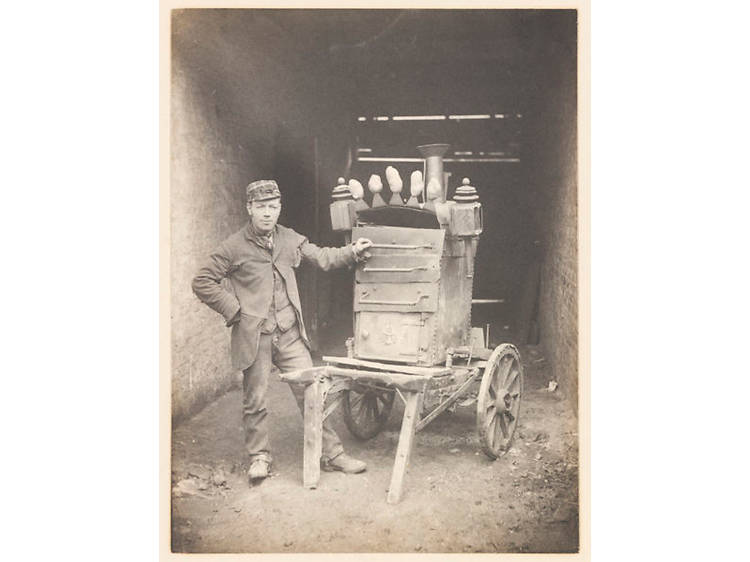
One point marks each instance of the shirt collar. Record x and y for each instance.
(254, 236)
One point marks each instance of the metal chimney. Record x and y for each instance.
(433, 155)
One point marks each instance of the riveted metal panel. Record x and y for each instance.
(397, 287)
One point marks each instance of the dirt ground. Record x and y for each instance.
(455, 500)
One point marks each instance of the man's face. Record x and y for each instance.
(264, 214)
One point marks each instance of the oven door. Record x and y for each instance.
(389, 336)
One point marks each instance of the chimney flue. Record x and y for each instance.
(433, 155)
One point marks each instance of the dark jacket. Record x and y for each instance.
(249, 269)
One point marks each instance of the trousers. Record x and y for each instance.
(288, 352)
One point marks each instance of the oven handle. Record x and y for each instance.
(395, 269)
(402, 246)
(409, 303)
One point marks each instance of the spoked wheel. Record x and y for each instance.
(366, 410)
(499, 400)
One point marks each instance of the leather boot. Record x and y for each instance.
(259, 469)
(344, 463)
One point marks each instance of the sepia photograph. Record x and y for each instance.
(321, 280)
(374, 280)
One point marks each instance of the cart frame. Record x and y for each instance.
(411, 383)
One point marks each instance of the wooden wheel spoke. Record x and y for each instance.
(503, 426)
(497, 436)
(490, 412)
(356, 402)
(367, 405)
(489, 423)
(510, 373)
(512, 379)
(359, 414)
(375, 407)
(370, 408)
(492, 388)
(506, 368)
(491, 430)
(364, 410)
(383, 397)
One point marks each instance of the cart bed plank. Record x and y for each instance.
(411, 383)
(409, 370)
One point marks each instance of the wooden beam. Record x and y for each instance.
(405, 443)
(313, 433)
(303, 376)
(448, 401)
(410, 383)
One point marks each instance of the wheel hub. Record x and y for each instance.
(503, 401)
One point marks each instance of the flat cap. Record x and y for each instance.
(261, 190)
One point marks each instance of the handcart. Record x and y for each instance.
(413, 338)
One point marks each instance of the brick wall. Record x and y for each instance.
(229, 97)
(205, 208)
(556, 193)
(558, 307)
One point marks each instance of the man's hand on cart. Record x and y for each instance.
(360, 248)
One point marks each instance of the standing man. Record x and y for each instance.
(265, 315)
